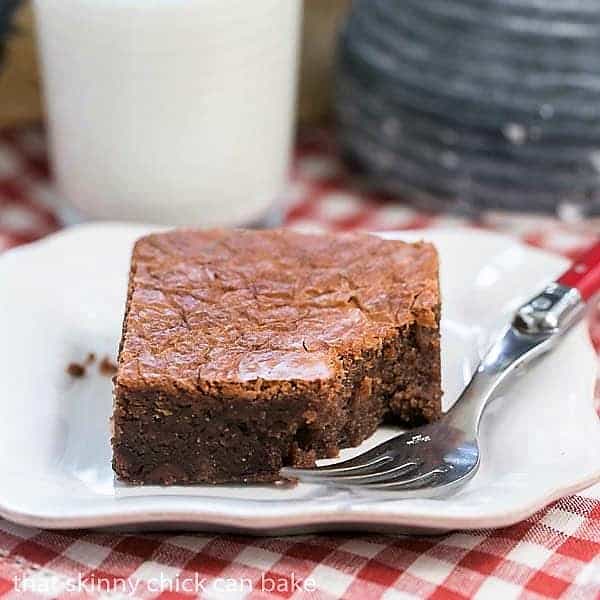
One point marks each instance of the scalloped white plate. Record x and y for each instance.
(63, 297)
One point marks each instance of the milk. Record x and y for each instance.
(170, 111)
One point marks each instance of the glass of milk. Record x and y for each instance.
(170, 111)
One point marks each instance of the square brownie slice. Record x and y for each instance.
(243, 351)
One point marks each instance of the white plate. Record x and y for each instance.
(63, 297)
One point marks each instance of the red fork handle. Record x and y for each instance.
(584, 273)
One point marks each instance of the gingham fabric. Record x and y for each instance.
(555, 553)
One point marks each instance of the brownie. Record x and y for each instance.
(244, 351)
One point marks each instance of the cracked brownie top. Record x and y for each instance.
(241, 306)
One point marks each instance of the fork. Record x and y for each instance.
(438, 458)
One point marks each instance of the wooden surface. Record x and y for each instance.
(322, 19)
(19, 81)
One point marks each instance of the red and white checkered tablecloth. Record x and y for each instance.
(555, 553)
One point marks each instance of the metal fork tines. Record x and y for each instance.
(407, 462)
(375, 471)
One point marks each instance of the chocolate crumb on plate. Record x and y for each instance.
(75, 369)
(107, 367)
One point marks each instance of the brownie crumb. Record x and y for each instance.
(90, 358)
(75, 369)
(107, 367)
